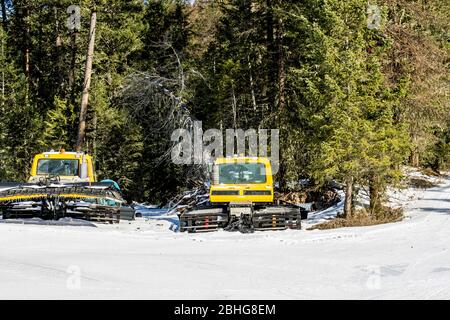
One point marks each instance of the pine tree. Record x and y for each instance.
(419, 57)
(351, 130)
(346, 99)
(55, 135)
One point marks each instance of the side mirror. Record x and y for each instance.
(84, 169)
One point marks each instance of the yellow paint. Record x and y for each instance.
(22, 197)
(266, 186)
(63, 155)
(63, 195)
(40, 194)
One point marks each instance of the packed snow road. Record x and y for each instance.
(144, 259)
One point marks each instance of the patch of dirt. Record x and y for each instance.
(321, 199)
(421, 183)
(362, 218)
(430, 172)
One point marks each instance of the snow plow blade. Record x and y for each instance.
(89, 201)
(29, 191)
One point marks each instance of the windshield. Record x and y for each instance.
(242, 173)
(60, 167)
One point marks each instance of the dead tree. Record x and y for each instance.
(87, 84)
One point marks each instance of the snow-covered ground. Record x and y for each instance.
(145, 259)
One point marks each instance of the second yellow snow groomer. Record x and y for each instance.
(242, 198)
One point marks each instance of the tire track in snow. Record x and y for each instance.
(43, 270)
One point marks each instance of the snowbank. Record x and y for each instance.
(143, 259)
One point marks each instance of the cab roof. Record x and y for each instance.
(242, 159)
(61, 155)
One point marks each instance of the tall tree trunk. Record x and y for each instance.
(87, 84)
(281, 65)
(252, 84)
(23, 13)
(415, 157)
(72, 71)
(348, 203)
(58, 45)
(27, 61)
(234, 107)
(94, 136)
(271, 63)
(27, 47)
(4, 18)
(375, 193)
(3, 74)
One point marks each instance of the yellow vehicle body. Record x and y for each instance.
(81, 166)
(63, 185)
(241, 198)
(254, 190)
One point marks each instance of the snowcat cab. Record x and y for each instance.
(67, 166)
(242, 180)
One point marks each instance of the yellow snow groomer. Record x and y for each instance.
(63, 184)
(242, 198)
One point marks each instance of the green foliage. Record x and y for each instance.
(55, 134)
(356, 101)
(20, 120)
(340, 96)
(419, 54)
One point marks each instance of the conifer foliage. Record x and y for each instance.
(353, 103)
